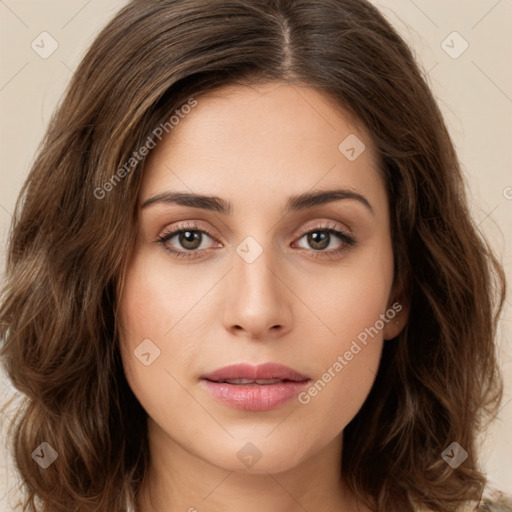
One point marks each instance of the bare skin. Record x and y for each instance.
(298, 303)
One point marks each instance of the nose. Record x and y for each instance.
(258, 299)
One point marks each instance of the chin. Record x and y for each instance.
(259, 456)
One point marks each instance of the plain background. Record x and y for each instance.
(473, 89)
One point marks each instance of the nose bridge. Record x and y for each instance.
(253, 269)
(257, 299)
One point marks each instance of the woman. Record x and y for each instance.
(243, 275)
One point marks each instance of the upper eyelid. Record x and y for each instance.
(190, 225)
(197, 225)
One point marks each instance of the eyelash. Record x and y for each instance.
(332, 229)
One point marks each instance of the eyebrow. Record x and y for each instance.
(219, 205)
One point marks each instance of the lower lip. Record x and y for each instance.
(255, 397)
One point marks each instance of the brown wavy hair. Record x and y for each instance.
(438, 381)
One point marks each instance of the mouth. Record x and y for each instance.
(259, 374)
(254, 388)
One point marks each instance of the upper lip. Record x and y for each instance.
(266, 371)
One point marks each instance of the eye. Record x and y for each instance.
(187, 237)
(323, 237)
(187, 241)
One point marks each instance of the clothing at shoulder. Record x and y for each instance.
(492, 501)
(495, 501)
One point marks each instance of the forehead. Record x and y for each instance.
(261, 139)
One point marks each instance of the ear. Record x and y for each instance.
(397, 312)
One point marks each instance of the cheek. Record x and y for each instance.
(145, 322)
(162, 326)
(339, 393)
(348, 360)
(148, 364)
(160, 304)
(350, 298)
(352, 305)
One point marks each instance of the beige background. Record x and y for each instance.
(474, 91)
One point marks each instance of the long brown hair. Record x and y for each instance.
(72, 236)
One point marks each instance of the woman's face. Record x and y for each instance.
(256, 277)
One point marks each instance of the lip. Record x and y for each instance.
(255, 397)
(261, 371)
